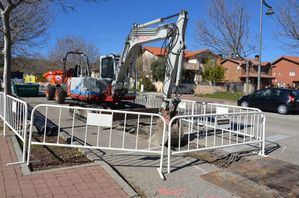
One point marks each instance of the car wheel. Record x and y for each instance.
(283, 109)
(244, 104)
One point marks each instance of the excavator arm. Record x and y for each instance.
(173, 35)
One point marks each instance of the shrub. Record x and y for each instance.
(147, 84)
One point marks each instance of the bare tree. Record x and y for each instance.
(226, 31)
(29, 23)
(76, 44)
(7, 9)
(288, 18)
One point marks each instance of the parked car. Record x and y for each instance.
(184, 89)
(272, 99)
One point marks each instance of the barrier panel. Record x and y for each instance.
(212, 131)
(2, 110)
(216, 108)
(149, 100)
(186, 107)
(203, 126)
(16, 112)
(100, 129)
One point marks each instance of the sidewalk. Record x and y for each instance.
(90, 181)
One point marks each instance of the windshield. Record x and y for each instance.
(107, 70)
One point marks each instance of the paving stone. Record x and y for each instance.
(91, 181)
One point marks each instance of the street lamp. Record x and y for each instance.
(269, 12)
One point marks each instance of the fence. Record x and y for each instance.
(190, 107)
(2, 110)
(212, 131)
(200, 126)
(101, 129)
(15, 117)
(149, 100)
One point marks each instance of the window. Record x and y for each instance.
(295, 93)
(107, 68)
(292, 73)
(262, 93)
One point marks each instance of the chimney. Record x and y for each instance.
(257, 57)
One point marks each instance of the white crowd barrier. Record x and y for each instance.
(2, 110)
(200, 126)
(14, 113)
(213, 131)
(101, 129)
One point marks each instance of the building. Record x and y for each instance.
(193, 64)
(286, 71)
(238, 70)
(193, 61)
(148, 55)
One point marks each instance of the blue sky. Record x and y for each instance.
(108, 22)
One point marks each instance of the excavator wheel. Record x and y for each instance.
(50, 92)
(60, 95)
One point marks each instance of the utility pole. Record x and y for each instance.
(269, 12)
(247, 77)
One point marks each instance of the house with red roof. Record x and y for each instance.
(286, 71)
(238, 70)
(193, 61)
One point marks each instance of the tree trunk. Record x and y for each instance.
(6, 51)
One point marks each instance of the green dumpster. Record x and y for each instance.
(26, 90)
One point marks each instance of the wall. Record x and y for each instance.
(147, 59)
(231, 73)
(207, 89)
(281, 72)
(158, 85)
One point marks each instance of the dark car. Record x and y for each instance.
(272, 99)
(184, 89)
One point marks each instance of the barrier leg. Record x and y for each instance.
(262, 151)
(162, 154)
(169, 147)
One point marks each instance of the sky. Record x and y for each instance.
(108, 22)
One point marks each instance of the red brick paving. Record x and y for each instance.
(91, 181)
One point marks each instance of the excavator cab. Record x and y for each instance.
(108, 65)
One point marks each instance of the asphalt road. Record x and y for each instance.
(282, 135)
(283, 130)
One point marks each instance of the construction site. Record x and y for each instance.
(102, 136)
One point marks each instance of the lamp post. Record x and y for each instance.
(269, 12)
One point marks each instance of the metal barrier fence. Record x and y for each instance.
(212, 131)
(186, 107)
(15, 117)
(200, 126)
(190, 107)
(2, 110)
(149, 100)
(100, 129)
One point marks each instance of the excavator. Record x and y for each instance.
(111, 90)
(115, 70)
